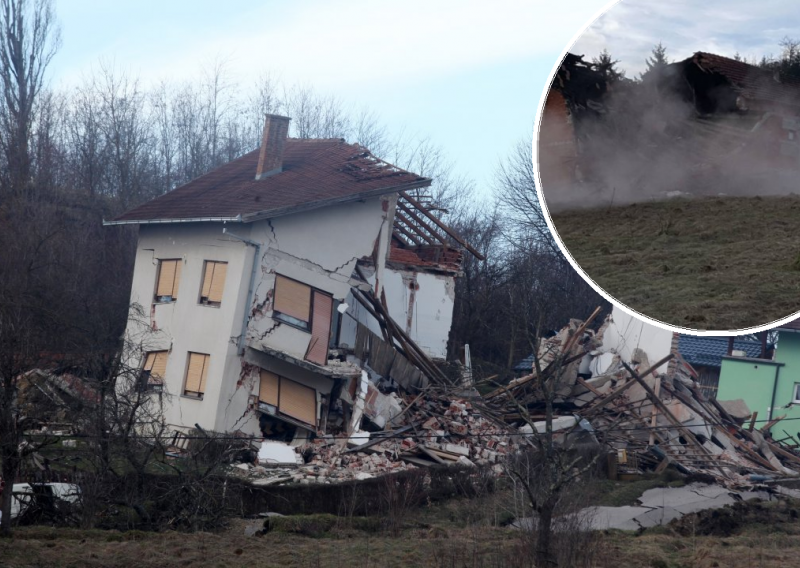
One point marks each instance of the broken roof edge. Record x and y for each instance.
(433, 269)
(303, 207)
(280, 212)
(237, 219)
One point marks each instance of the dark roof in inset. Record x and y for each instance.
(750, 81)
(793, 325)
(709, 351)
(315, 173)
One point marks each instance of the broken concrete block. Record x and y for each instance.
(456, 449)
(463, 460)
(273, 453)
(736, 408)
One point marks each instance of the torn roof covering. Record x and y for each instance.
(316, 173)
(709, 351)
(748, 80)
(447, 260)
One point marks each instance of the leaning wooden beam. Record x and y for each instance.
(442, 226)
(410, 227)
(406, 233)
(720, 428)
(420, 221)
(581, 329)
(621, 390)
(671, 417)
(357, 294)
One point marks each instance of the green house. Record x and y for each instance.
(770, 387)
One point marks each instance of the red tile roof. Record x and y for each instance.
(315, 173)
(750, 81)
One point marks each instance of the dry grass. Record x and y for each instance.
(429, 547)
(707, 263)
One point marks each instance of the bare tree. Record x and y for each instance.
(516, 193)
(550, 471)
(29, 38)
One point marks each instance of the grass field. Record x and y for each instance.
(708, 263)
(455, 534)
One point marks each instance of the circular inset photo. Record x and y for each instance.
(668, 152)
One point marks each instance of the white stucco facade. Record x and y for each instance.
(319, 248)
(626, 333)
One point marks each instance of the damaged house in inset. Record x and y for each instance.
(704, 125)
(293, 291)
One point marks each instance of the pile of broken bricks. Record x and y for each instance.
(439, 432)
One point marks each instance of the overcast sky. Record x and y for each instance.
(630, 29)
(469, 74)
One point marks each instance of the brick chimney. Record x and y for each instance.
(273, 142)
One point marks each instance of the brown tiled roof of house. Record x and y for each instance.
(315, 173)
(750, 81)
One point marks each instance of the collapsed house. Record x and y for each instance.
(679, 130)
(650, 413)
(301, 291)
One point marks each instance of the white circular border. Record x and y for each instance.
(631, 312)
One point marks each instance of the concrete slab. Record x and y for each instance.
(622, 518)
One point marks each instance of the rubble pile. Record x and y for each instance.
(436, 430)
(649, 419)
(646, 416)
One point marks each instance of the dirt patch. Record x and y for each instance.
(780, 516)
(705, 263)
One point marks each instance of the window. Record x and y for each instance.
(796, 396)
(213, 283)
(169, 277)
(292, 302)
(152, 376)
(288, 397)
(196, 375)
(309, 309)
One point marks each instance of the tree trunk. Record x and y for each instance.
(544, 555)
(10, 467)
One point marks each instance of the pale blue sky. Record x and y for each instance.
(468, 74)
(630, 28)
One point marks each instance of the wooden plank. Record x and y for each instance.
(753, 421)
(621, 390)
(425, 450)
(441, 225)
(666, 412)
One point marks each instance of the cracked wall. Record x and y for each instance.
(186, 325)
(319, 248)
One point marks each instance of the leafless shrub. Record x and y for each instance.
(400, 494)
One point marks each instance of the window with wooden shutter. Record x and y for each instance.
(155, 366)
(268, 389)
(213, 282)
(169, 277)
(320, 329)
(196, 375)
(298, 401)
(292, 302)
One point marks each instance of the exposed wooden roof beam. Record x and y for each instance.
(420, 221)
(407, 222)
(407, 234)
(441, 225)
